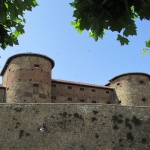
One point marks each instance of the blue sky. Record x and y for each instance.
(78, 57)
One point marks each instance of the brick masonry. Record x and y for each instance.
(48, 114)
(28, 79)
(132, 89)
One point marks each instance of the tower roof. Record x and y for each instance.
(25, 54)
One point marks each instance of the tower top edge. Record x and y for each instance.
(25, 54)
(128, 74)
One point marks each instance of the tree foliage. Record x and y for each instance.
(96, 16)
(12, 20)
(147, 44)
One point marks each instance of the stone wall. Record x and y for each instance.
(2, 94)
(28, 79)
(74, 127)
(132, 89)
(73, 92)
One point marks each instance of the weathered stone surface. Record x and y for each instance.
(74, 126)
(132, 89)
(28, 74)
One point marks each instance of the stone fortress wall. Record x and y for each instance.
(27, 79)
(40, 113)
(73, 92)
(2, 94)
(74, 127)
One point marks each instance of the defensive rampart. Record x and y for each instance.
(74, 127)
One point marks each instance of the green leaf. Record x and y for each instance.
(122, 40)
(6, 5)
(12, 20)
(20, 29)
(130, 30)
(90, 34)
(72, 4)
(144, 51)
(147, 43)
(114, 15)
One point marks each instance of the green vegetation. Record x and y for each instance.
(147, 44)
(12, 20)
(114, 15)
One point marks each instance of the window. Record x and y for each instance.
(93, 90)
(36, 65)
(53, 85)
(35, 85)
(81, 100)
(107, 102)
(141, 82)
(107, 91)
(118, 84)
(35, 88)
(143, 99)
(119, 102)
(69, 87)
(81, 89)
(53, 97)
(93, 101)
(69, 99)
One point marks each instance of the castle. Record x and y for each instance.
(40, 113)
(27, 79)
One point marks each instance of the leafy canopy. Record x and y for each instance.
(97, 16)
(12, 20)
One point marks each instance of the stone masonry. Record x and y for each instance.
(27, 79)
(40, 113)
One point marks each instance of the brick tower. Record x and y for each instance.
(27, 78)
(132, 89)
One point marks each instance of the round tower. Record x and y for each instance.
(27, 78)
(132, 89)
